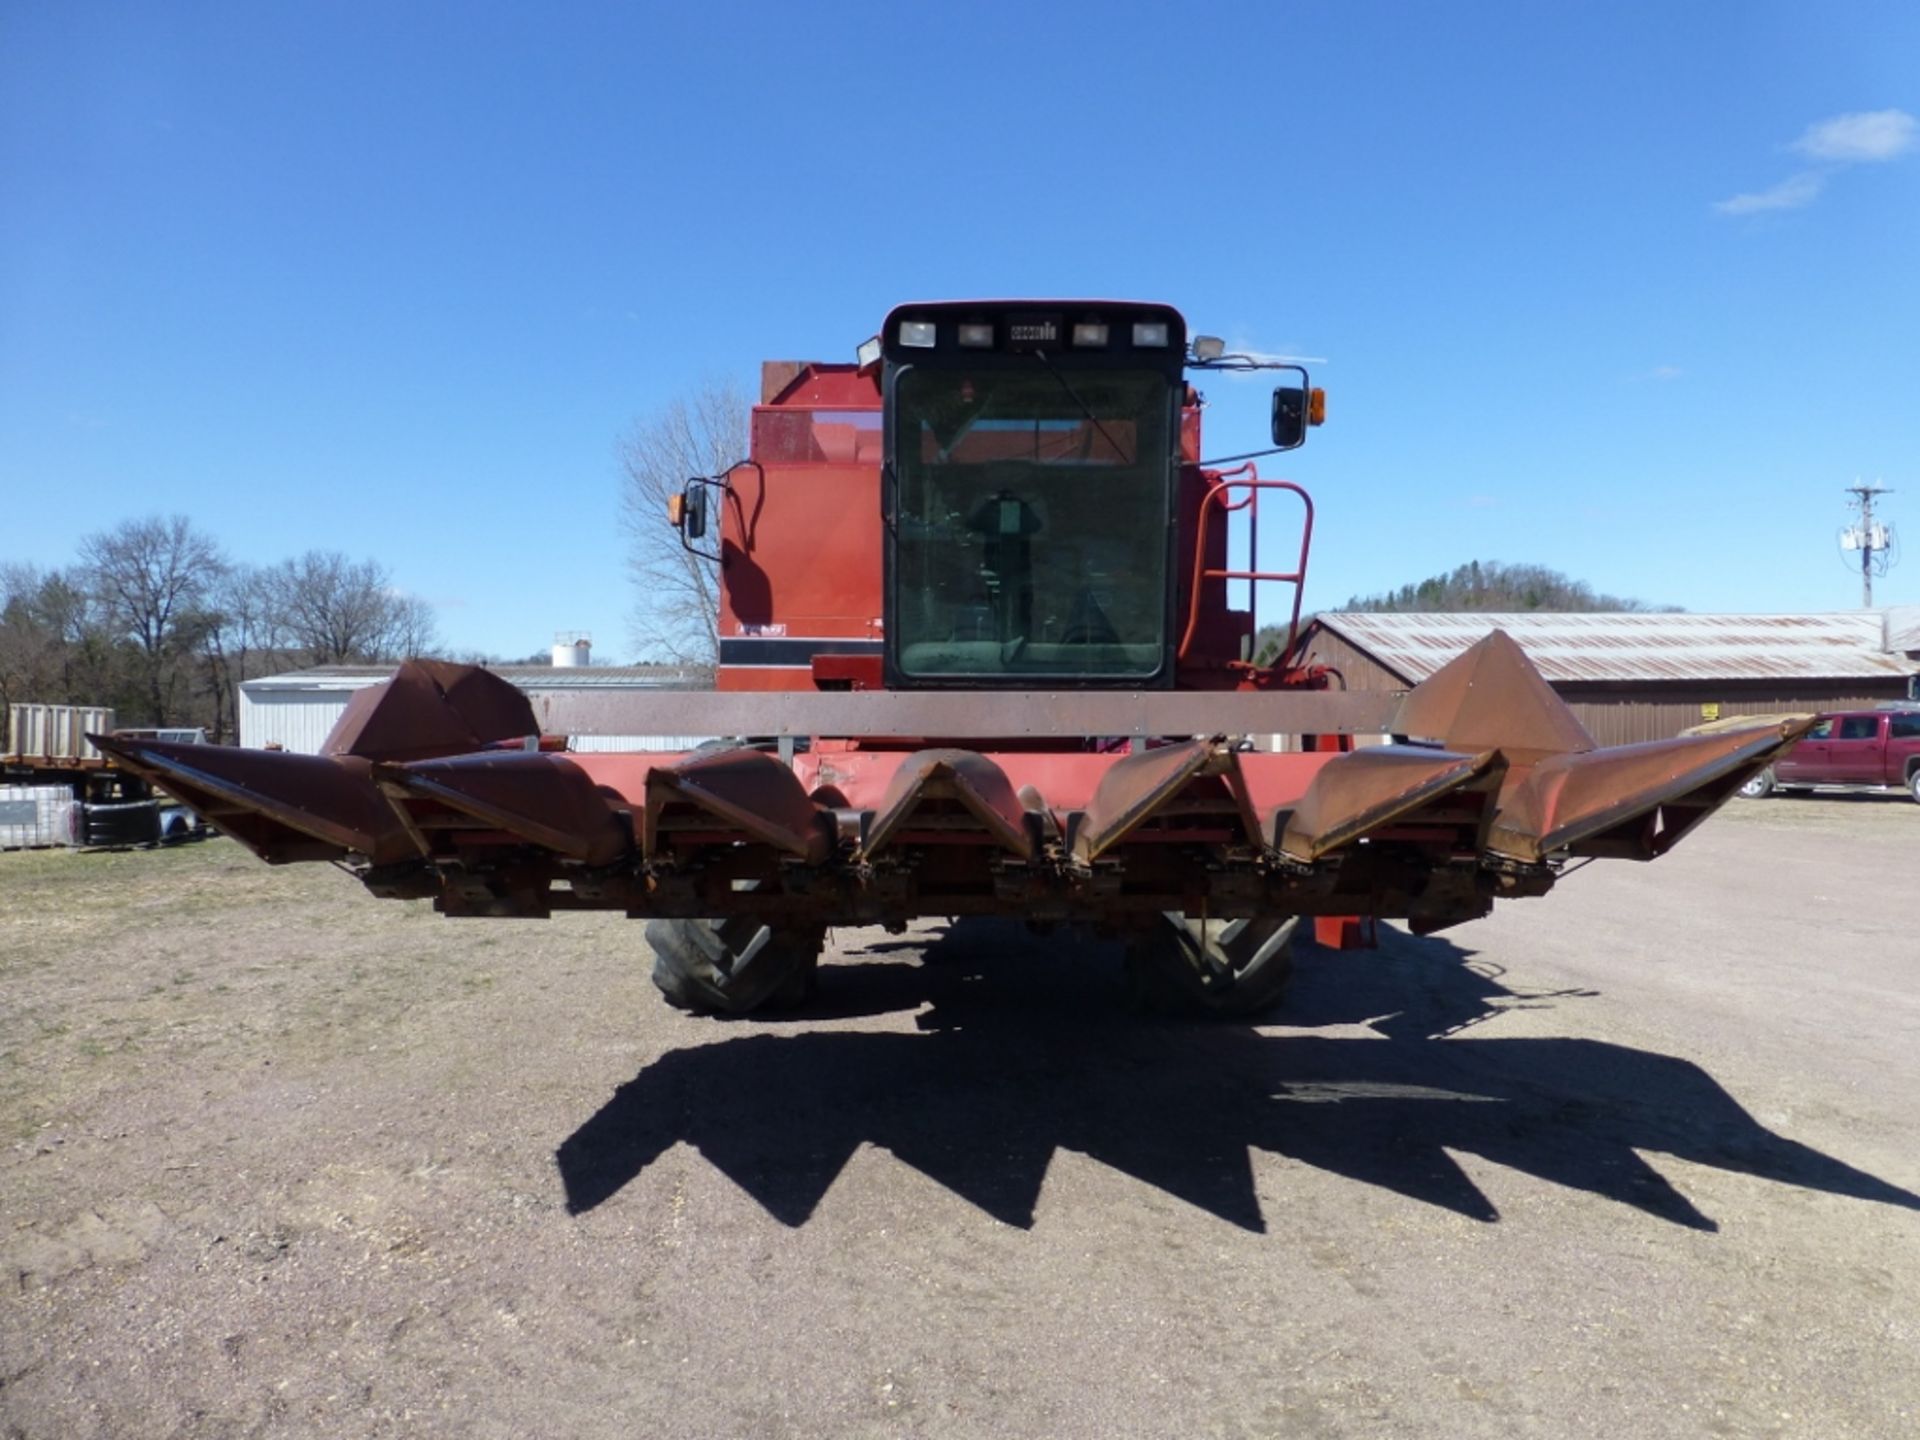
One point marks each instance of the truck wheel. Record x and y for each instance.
(733, 967)
(1913, 782)
(1759, 786)
(1224, 969)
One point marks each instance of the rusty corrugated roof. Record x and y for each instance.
(1901, 629)
(1614, 646)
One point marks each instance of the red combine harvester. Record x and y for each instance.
(977, 646)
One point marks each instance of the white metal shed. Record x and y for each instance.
(296, 710)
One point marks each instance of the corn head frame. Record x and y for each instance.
(978, 657)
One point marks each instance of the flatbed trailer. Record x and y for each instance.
(58, 789)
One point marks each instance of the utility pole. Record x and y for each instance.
(1868, 538)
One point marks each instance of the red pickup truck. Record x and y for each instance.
(1856, 750)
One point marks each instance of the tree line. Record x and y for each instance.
(157, 622)
(1486, 586)
(1490, 585)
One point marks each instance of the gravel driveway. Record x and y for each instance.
(1639, 1159)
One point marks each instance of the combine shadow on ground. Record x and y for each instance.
(1026, 1049)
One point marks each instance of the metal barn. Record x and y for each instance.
(295, 711)
(1640, 676)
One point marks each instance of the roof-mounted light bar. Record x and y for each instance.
(1095, 332)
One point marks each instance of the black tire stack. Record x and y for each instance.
(120, 825)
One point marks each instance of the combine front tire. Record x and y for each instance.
(731, 967)
(1224, 969)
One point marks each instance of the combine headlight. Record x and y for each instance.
(869, 352)
(977, 337)
(1150, 333)
(1091, 335)
(1208, 347)
(918, 334)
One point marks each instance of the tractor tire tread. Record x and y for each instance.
(734, 966)
(1230, 970)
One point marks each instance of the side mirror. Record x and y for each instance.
(693, 512)
(1289, 416)
(1295, 407)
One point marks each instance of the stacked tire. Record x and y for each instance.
(118, 826)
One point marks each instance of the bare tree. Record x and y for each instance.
(155, 624)
(677, 605)
(340, 611)
(238, 624)
(411, 631)
(55, 646)
(24, 642)
(251, 622)
(149, 577)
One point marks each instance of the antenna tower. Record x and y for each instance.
(1873, 539)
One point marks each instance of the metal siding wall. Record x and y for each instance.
(1659, 713)
(56, 732)
(299, 720)
(615, 744)
(1619, 715)
(1360, 671)
(294, 720)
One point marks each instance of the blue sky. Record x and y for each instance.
(1594, 287)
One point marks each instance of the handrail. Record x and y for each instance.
(1219, 495)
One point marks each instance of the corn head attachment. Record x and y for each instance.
(1491, 789)
(979, 646)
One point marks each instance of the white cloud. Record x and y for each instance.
(1864, 138)
(1665, 372)
(1868, 136)
(1790, 194)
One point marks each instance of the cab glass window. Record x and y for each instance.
(1030, 522)
(1859, 727)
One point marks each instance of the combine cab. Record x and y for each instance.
(977, 646)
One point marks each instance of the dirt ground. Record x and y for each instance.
(1638, 1159)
